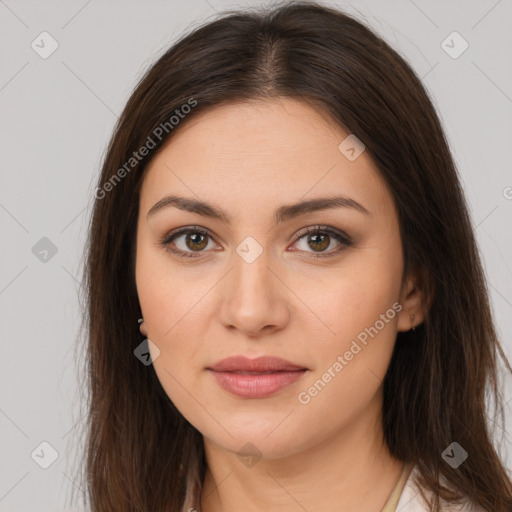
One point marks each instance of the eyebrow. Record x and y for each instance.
(281, 214)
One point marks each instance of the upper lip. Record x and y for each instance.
(259, 364)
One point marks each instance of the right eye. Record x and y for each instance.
(195, 241)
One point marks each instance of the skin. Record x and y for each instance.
(249, 159)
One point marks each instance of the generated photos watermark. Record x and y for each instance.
(158, 133)
(305, 397)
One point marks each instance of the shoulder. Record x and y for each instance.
(411, 500)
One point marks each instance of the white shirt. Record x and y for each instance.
(411, 501)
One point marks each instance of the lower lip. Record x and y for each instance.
(256, 385)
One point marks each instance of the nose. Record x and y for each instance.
(254, 298)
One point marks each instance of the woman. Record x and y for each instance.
(279, 207)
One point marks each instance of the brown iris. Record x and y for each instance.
(319, 245)
(195, 242)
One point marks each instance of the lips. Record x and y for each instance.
(255, 378)
(260, 364)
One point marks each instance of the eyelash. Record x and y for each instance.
(341, 237)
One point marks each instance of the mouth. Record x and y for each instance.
(255, 378)
(241, 372)
(261, 364)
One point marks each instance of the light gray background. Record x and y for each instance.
(57, 115)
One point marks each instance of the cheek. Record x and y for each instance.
(351, 365)
(359, 306)
(169, 298)
(172, 310)
(353, 297)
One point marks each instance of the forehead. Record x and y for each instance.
(259, 152)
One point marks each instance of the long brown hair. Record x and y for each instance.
(141, 454)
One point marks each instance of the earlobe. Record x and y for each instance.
(142, 327)
(408, 320)
(414, 305)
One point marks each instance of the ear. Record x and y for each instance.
(414, 301)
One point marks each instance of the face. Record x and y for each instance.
(247, 274)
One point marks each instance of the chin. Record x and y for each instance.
(259, 441)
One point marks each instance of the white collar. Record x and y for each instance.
(411, 500)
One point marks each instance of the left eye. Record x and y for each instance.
(319, 238)
(196, 240)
